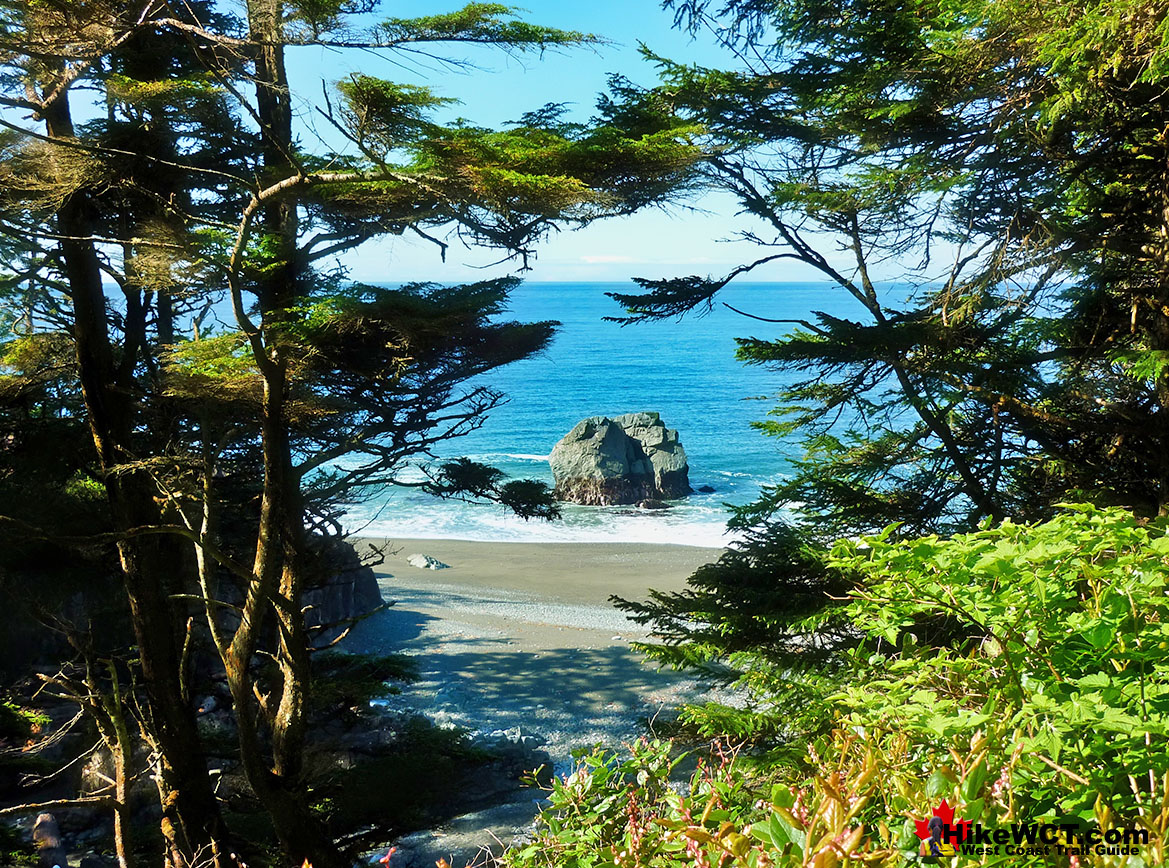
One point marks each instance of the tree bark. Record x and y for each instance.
(281, 538)
(191, 819)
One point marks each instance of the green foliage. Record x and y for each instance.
(615, 810)
(505, 188)
(1002, 159)
(221, 357)
(774, 713)
(761, 617)
(158, 161)
(528, 498)
(385, 114)
(471, 480)
(627, 811)
(14, 850)
(1020, 672)
(182, 91)
(489, 23)
(403, 787)
(18, 722)
(20, 726)
(1054, 643)
(325, 15)
(1016, 668)
(388, 363)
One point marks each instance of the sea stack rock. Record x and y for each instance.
(626, 459)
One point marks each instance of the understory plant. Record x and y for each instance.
(1050, 638)
(1015, 675)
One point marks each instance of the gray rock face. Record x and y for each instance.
(341, 588)
(626, 459)
(348, 590)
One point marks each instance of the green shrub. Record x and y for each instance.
(765, 617)
(613, 811)
(17, 722)
(14, 852)
(1057, 649)
(403, 787)
(342, 680)
(1020, 672)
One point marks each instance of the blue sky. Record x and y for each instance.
(652, 243)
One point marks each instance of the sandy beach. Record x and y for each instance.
(523, 634)
(581, 573)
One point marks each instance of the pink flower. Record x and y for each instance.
(1004, 781)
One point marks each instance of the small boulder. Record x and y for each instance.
(705, 489)
(46, 836)
(426, 562)
(650, 503)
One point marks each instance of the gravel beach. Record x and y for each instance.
(521, 638)
(523, 635)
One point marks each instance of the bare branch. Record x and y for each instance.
(57, 804)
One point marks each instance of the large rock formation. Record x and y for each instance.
(348, 590)
(626, 459)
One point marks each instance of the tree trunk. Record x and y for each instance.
(191, 819)
(281, 538)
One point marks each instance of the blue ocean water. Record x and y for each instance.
(686, 370)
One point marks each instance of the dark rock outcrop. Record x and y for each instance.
(626, 459)
(339, 588)
(349, 589)
(46, 836)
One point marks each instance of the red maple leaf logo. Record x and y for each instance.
(946, 814)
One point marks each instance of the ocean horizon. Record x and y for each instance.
(685, 370)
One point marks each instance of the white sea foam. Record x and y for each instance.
(596, 367)
(683, 526)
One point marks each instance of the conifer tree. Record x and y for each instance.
(996, 166)
(219, 451)
(986, 180)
